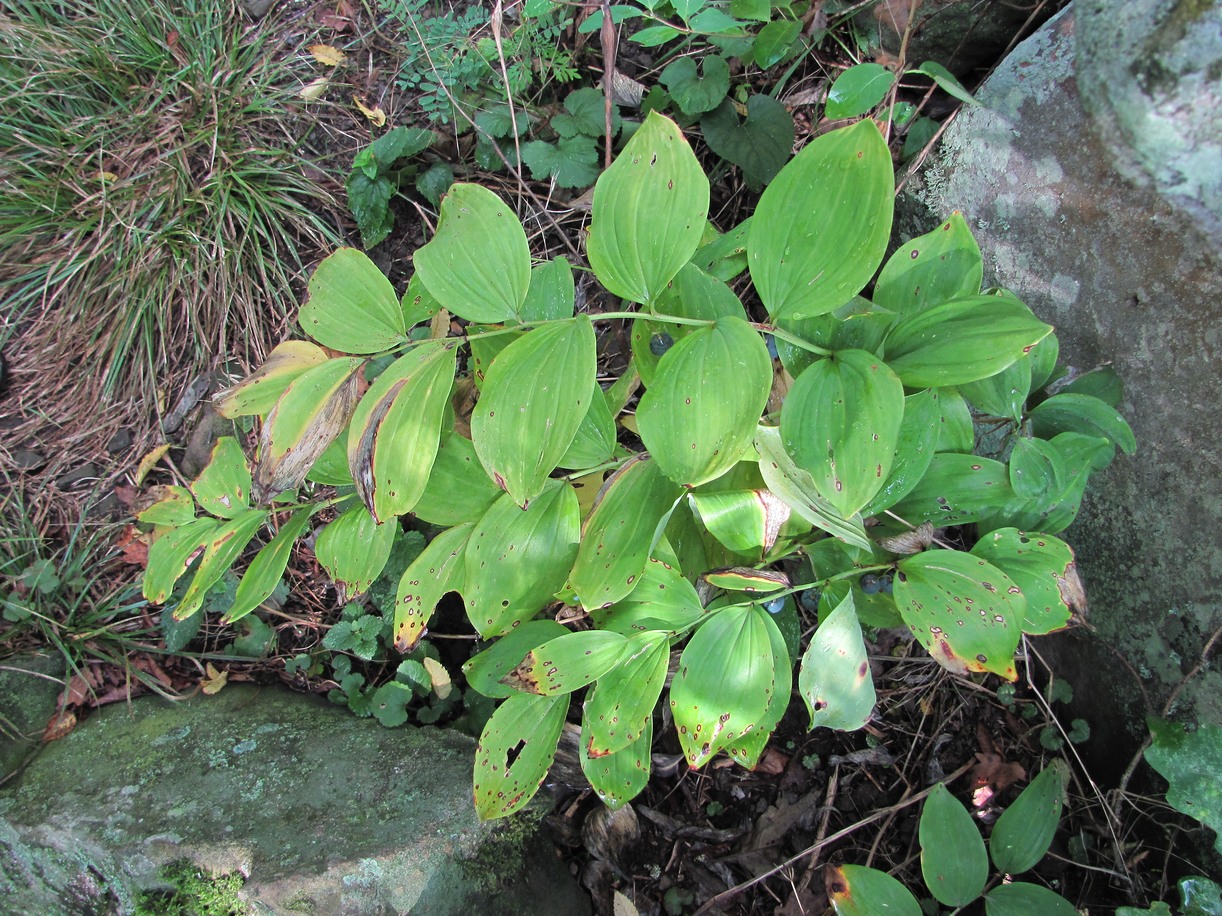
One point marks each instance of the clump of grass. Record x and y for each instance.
(151, 204)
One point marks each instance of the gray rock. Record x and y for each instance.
(321, 811)
(1150, 75)
(1127, 279)
(30, 687)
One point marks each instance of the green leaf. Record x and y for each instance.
(962, 340)
(175, 508)
(619, 710)
(434, 181)
(172, 554)
(478, 264)
(855, 890)
(587, 109)
(821, 227)
(178, 633)
(1022, 899)
(648, 213)
(351, 306)
(458, 490)
(1102, 383)
(914, 450)
(354, 548)
(1200, 897)
(595, 441)
(256, 394)
(759, 145)
(747, 579)
(369, 201)
(399, 143)
(1190, 762)
(956, 432)
(1044, 568)
(965, 611)
(572, 162)
(311, 413)
(724, 257)
(713, 21)
(857, 90)
(1022, 835)
(956, 490)
(746, 521)
(724, 683)
(417, 303)
(747, 749)
(619, 777)
(567, 663)
(953, 860)
(834, 678)
(759, 10)
(438, 569)
(796, 488)
(774, 41)
(221, 551)
(696, 93)
(485, 671)
(358, 635)
(1082, 413)
(654, 35)
(693, 293)
(536, 394)
(939, 266)
(552, 292)
(267, 568)
(515, 751)
(517, 559)
(663, 600)
(699, 417)
(1003, 394)
(688, 8)
(920, 134)
(946, 80)
(841, 424)
(618, 535)
(486, 349)
(389, 703)
(395, 430)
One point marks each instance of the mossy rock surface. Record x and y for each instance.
(320, 811)
(30, 686)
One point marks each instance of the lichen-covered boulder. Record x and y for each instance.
(1126, 279)
(321, 812)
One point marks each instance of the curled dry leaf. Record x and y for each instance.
(61, 725)
(376, 115)
(909, 542)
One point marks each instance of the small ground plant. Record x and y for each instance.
(820, 452)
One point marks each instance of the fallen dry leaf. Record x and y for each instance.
(214, 681)
(314, 90)
(133, 546)
(773, 762)
(75, 693)
(149, 461)
(375, 115)
(327, 55)
(61, 725)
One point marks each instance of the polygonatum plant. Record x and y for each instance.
(813, 440)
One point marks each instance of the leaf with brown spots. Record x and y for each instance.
(835, 678)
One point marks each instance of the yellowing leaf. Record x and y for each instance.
(149, 461)
(376, 115)
(213, 680)
(314, 90)
(327, 55)
(440, 677)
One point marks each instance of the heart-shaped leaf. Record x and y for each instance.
(256, 394)
(760, 145)
(962, 340)
(478, 264)
(939, 266)
(517, 559)
(567, 663)
(618, 534)
(724, 683)
(841, 423)
(619, 710)
(354, 548)
(352, 307)
(834, 678)
(1044, 568)
(821, 227)
(648, 212)
(436, 570)
(964, 610)
(223, 487)
(515, 751)
(536, 394)
(696, 93)
(699, 417)
(310, 414)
